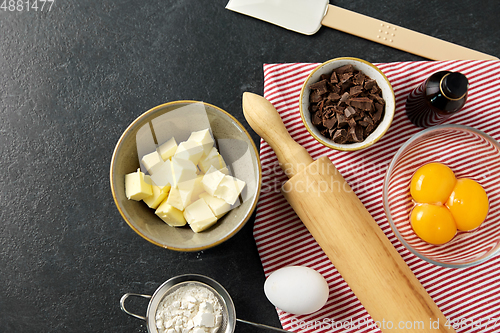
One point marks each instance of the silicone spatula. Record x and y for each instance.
(307, 17)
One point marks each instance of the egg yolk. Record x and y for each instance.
(432, 183)
(468, 203)
(433, 224)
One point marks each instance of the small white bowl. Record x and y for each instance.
(368, 69)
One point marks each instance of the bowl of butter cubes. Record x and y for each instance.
(185, 175)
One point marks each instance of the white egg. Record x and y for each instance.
(297, 289)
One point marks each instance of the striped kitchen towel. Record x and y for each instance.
(469, 297)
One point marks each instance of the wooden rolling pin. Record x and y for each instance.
(346, 231)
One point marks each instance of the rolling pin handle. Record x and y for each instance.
(265, 120)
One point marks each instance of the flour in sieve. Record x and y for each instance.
(191, 308)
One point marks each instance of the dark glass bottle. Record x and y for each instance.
(435, 100)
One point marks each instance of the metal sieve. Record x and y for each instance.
(229, 319)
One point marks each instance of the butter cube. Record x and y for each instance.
(218, 206)
(195, 186)
(152, 162)
(199, 216)
(229, 189)
(159, 194)
(198, 187)
(212, 179)
(224, 170)
(170, 215)
(212, 159)
(183, 170)
(180, 199)
(204, 139)
(136, 186)
(164, 175)
(213, 153)
(189, 150)
(168, 149)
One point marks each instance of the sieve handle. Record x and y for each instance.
(122, 304)
(262, 326)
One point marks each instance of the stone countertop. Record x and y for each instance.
(71, 81)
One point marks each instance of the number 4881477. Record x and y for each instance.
(26, 5)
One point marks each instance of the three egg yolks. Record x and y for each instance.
(445, 204)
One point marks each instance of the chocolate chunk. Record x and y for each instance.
(313, 108)
(352, 122)
(316, 119)
(320, 106)
(363, 103)
(368, 120)
(375, 89)
(343, 99)
(328, 103)
(340, 136)
(315, 96)
(349, 112)
(345, 77)
(324, 77)
(334, 78)
(339, 109)
(368, 130)
(369, 83)
(363, 123)
(320, 87)
(333, 96)
(377, 116)
(346, 85)
(330, 122)
(344, 69)
(356, 90)
(359, 78)
(328, 112)
(335, 88)
(356, 133)
(341, 120)
(360, 114)
(377, 99)
(379, 107)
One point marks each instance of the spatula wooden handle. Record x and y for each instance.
(266, 122)
(398, 37)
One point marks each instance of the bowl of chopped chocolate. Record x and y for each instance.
(347, 104)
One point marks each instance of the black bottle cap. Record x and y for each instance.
(454, 85)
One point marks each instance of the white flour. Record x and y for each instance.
(191, 308)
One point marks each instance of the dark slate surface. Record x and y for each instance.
(71, 81)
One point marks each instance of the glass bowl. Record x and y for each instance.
(470, 154)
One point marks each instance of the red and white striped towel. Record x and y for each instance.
(470, 297)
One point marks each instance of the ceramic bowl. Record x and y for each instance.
(368, 69)
(470, 154)
(179, 119)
